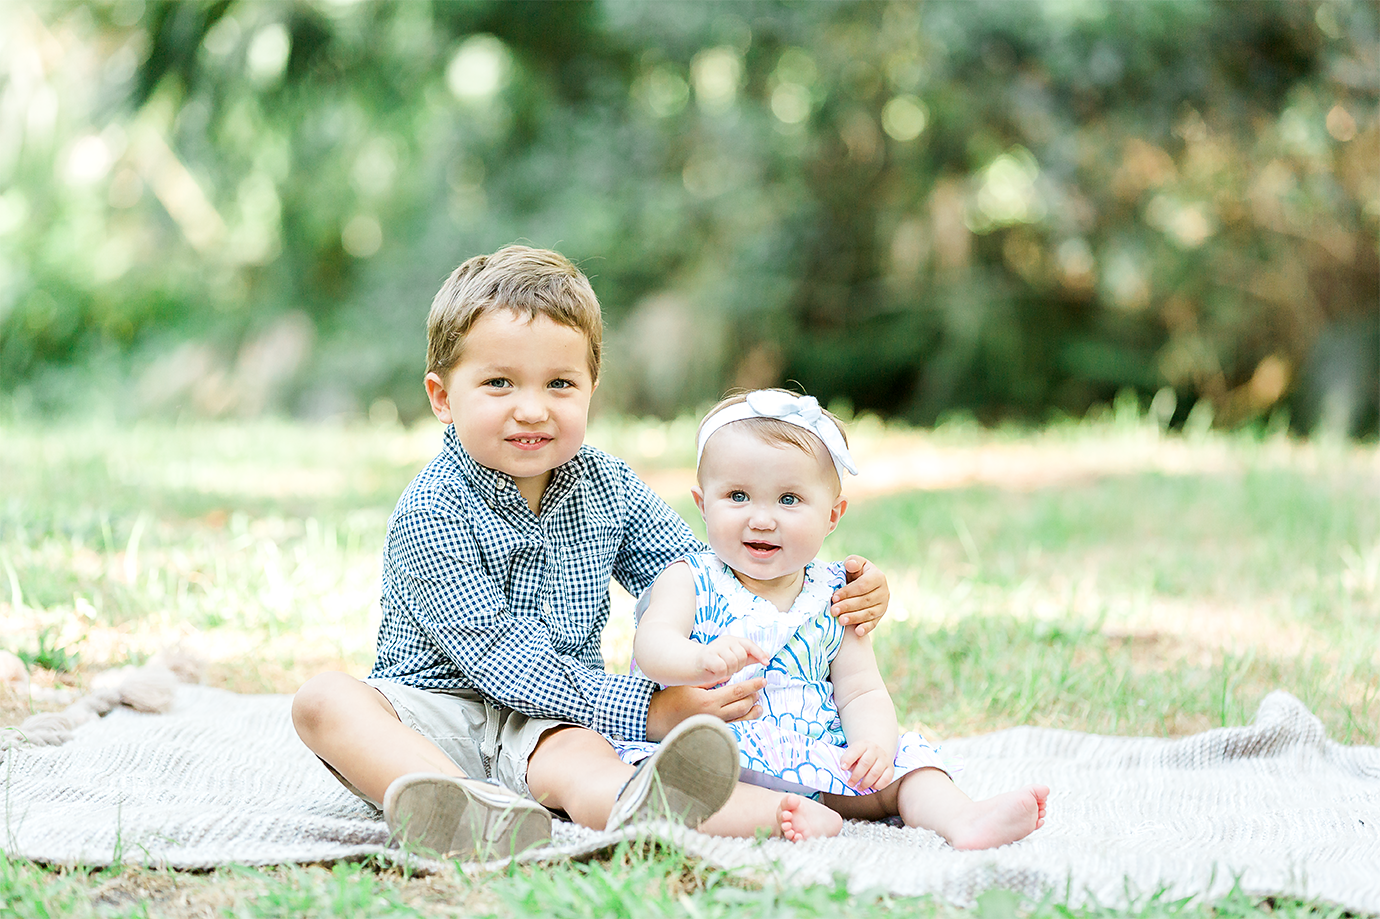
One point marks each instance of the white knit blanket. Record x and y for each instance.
(1275, 807)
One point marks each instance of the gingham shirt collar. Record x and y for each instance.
(497, 489)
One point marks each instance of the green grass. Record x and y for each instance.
(1096, 577)
(1135, 604)
(633, 882)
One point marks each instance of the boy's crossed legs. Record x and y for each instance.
(430, 801)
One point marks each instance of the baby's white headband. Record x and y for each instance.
(801, 411)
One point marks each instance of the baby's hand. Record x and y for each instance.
(725, 656)
(870, 765)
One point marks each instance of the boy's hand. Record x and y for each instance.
(672, 705)
(725, 656)
(870, 765)
(863, 600)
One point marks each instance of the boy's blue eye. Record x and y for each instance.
(790, 500)
(561, 384)
(496, 382)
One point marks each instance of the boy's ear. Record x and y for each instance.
(698, 494)
(840, 506)
(439, 398)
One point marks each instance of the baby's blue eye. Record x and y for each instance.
(790, 500)
(737, 497)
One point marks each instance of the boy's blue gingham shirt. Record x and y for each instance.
(480, 592)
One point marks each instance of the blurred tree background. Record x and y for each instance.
(1013, 209)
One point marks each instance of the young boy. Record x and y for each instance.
(495, 590)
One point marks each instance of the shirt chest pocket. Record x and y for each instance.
(574, 596)
(585, 566)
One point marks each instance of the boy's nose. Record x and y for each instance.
(530, 407)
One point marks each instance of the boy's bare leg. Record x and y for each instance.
(577, 771)
(928, 798)
(350, 725)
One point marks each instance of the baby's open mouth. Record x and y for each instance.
(761, 548)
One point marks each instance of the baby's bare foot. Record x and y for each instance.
(1005, 818)
(800, 819)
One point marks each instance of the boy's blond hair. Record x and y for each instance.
(529, 282)
(772, 431)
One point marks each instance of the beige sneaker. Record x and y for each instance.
(687, 779)
(462, 818)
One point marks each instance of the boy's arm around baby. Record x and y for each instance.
(862, 601)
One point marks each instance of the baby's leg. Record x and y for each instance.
(928, 798)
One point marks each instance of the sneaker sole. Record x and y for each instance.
(462, 818)
(695, 772)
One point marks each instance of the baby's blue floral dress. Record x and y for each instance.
(795, 745)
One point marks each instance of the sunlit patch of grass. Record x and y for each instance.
(989, 672)
(342, 890)
(48, 655)
(27, 890)
(1188, 596)
(117, 544)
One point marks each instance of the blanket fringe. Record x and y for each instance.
(149, 688)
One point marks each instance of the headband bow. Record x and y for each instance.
(801, 411)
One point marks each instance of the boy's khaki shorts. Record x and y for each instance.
(486, 741)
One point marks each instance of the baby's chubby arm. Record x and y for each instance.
(867, 713)
(662, 646)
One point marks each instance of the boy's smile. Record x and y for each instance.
(518, 397)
